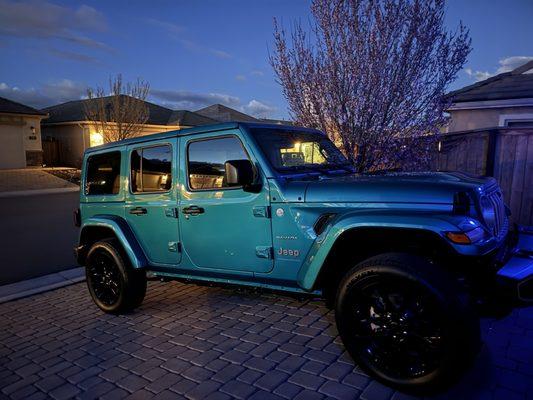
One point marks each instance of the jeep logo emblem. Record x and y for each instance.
(288, 252)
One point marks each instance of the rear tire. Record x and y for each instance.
(113, 284)
(406, 322)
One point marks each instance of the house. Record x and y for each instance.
(68, 128)
(20, 135)
(223, 113)
(504, 100)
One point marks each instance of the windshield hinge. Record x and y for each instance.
(261, 211)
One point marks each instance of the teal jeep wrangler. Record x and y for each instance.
(401, 257)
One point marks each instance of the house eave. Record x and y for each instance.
(477, 105)
(8, 114)
(167, 127)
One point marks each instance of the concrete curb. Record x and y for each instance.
(29, 287)
(20, 193)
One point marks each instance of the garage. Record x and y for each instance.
(12, 153)
(20, 135)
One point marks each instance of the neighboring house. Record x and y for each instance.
(20, 135)
(223, 113)
(68, 128)
(504, 100)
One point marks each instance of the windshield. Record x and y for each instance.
(298, 150)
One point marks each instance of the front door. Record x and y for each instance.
(151, 208)
(222, 227)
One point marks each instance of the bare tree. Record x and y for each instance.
(120, 114)
(372, 74)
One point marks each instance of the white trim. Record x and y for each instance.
(504, 118)
(473, 105)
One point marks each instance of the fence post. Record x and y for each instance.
(491, 152)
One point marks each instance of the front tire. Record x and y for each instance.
(114, 286)
(405, 322)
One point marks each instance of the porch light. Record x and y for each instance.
(96, 139)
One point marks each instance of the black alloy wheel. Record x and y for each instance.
(113, 284)
(104, 277)
(407, 322)
(399, 326)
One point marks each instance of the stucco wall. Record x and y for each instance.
(463, 120)
(19, 145)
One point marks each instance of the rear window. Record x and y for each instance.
(151, 169)
(103, 174)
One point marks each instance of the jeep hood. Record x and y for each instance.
(427, 187)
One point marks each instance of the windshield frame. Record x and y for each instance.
(256, 132)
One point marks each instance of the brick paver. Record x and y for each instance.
(195, 342)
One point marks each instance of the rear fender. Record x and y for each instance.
(120, 230)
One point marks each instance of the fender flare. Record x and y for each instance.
(122, 232)
(316, 257)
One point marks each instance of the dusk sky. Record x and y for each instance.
(196, 53)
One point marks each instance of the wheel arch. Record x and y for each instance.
(346, 243)
(103, 227)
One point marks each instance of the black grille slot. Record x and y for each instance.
(501, 222)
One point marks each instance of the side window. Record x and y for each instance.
(151, 169)
(206, 159)
(103, 174)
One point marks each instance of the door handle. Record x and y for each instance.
(138, 211)
(193, 210)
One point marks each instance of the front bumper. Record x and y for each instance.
(516, 275)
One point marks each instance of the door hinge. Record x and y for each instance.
(264, 252)
(174, 247)
(261, 211)
(171, 212)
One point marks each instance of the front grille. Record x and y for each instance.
(501, 223)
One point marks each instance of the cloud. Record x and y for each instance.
(170, 27)
(44, 20)
(257, 72)
(73, 56)
(506, 65)
(46, 95)
(181, 99)
(478, 75)
(241, 77)
(176, 32)
(510, 63)
(258, 109)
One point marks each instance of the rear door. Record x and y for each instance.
(151, 208)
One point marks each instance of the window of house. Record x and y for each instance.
(151, 169)
(206, 159)
(519, 123)
(103, 174)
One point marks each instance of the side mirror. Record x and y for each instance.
(240, 173)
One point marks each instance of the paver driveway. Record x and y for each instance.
(199, 342)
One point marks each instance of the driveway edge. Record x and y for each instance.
(19, 193)
(29, 287)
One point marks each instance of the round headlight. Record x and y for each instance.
(488, 213)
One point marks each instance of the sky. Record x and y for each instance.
(197, 53)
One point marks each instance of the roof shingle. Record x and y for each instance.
(12, 107)
(516, 84)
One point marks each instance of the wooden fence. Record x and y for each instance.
(504, 153)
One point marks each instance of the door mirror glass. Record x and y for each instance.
(238, 173)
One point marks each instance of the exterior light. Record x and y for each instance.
(96, 139)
